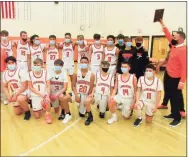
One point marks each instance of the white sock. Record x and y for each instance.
(139, 114)
(114, 115)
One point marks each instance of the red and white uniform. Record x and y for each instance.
(8, 48)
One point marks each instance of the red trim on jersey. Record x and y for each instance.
(36, 47)
(148, 84)
(126, 80)
(96, 47)
(13, 71)
(49, 48)
(102, 78)
(6, 45)
(112, 49)
(23, 43)
(39, 76)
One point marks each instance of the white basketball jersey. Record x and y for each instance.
(83, 84)
(103, 84)
(52, 55)
(149, 91)
(126, 89)
(68, 56)
(38, 82)
(110, 55)
(22, 51)
(36, 53)
(8, 48)
(96, 56)
(82, 53)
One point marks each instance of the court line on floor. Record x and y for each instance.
(50, 139)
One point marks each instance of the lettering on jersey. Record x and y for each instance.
(98, 52)
(110, 54)
(52, 52)
(83, 82)
(67, 49)
(23, 48)
(56, 83)
(40, 82)
(150, 90)
(37, 52)
(125, 86)
(13, 80)
(103, 84)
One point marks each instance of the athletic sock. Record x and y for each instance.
(63, 112)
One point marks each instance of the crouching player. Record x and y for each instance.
(104, 87)
(39, 85)
(148, 94)
(125, 87)
(18, 80)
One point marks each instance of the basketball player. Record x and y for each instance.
(58, 86)
(111, 53)
(104, 87)
(39, 85)
(96, 54)
(18, 80)
(125, 87)
(148, 94)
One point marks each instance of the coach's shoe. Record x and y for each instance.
(48, 118)
(168, 117)
(61, 117)
(81, 115)
(101, 115)
(112, 120)
(67, 118)
(137, 122)
(27, 115)
(89, 120)
(183, 114)
(175, 123)
(163, 106)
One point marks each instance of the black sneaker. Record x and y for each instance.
(27, 115)
(89, 120)
(81, 115)
(168, 117)
(137, 122)
(101, 115)
(61, 117)
(175, 123)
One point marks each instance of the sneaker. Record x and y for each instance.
(175, 123)
(183, 114)
(168, 117)
(61, 117)
(67, 118)
(5, 102)
(137, 122)
(81, 115)
(163, 107)
(89, 120)
(27, 115)
(112, 120)
(48, 118)
(101, 115)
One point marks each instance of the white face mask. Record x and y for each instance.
(148, 74)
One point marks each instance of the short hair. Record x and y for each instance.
(127, 39)
(105, 63)
(111, 36)
(150, 66)
(84, 58)
(78, 36)
(139, 38)
(96, 36)
(126, 62)
(38, 60)
(68, 34)
(182, 34)
(33, 37)
(10, 58)
(120, 36)
(58, 62)
(23, 32)
(4, 32)
(52, 36)
(81, 36)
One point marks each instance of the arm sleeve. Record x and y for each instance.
(182, 59)
(167, 34)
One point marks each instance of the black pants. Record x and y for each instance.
(175, 95)
(166, 95)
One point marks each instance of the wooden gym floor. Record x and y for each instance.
(36, 138)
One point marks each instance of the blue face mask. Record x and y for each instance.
(52, 42)
(80, 42)
(148, 74)
(11, 66)
(120, 41)
(129, 44)
(57, 68)
(36, 68)
(3, 38)
(36, 42)
(97, 42)
(124, 70)
(110, 42)
(83, 66)
(67, 40)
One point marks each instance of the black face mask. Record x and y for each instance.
(105, 69)
(174, 42)
(24, 39)
(138, 44)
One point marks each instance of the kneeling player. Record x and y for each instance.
(104, 87)
(148, 94)
(125, 87)
(18, 81)
(39, 85)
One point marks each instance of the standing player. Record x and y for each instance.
(96, 54)
(125, 87)
(39, 86)
(104, 87)
(148, 94)
(18, 80)
(111, 53)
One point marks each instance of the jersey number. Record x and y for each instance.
(52, 57)
(56, 88)
(82, 89)
(23, 53)
(125, 92)
(98, 56)
(109, 59)
(67, 54)
(15, 85)
(103, 89)
(148, 95)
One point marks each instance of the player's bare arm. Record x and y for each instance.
(92, 82)
(90, 53)
(135, 89)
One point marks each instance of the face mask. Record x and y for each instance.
(36, 42)
(57, 68)
(174, 42)
(97, 42)
(124, 70)
(23, 39)
(110, 42)
(138, 44)
(120, 41)
(148, 74)
(52, 42)
(80, 42)
(129, 44)
(105, 69)
(67, 40)
(11, 66)
(83, 66)
(4, 38)
(36, 68)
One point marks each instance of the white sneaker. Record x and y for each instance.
(67, 118)
(5, 102)
(112, 120)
